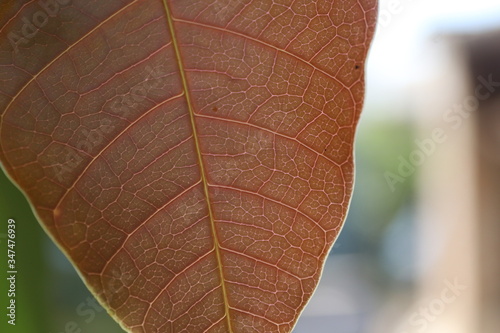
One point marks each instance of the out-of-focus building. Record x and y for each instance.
(483, 60)
(458, 118)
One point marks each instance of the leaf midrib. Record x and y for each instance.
(187, 95)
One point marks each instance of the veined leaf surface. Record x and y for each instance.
(192, 158)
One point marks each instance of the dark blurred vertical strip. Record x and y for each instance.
(484, 63)
(32, 311)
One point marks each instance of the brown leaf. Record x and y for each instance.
(193, 159)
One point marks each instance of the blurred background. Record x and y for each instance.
(419, 251)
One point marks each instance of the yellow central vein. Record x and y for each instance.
(200, 159)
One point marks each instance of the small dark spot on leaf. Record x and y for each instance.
(356, 67)
(214, 109)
